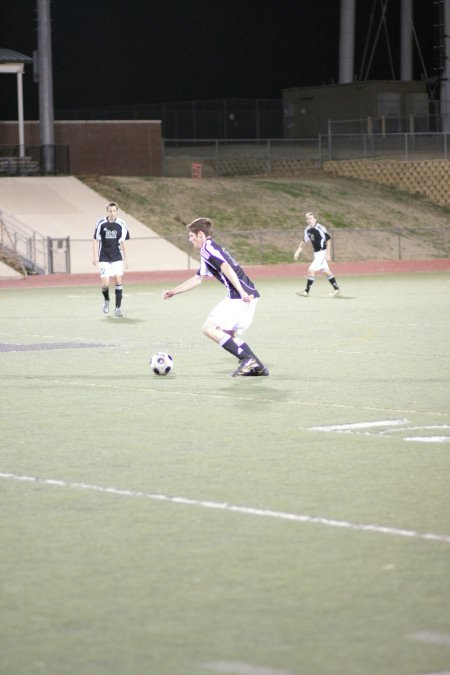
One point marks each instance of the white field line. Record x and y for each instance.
(360, 425)
(238, 668)
(382, 425)
(225, 506)
(169, 391)
(428, 439)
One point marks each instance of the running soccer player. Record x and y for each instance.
(109, 253)
(320, 240)
(234, 314)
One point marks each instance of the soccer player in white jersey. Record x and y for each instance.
(109, 253)
(320, 240)
(234, 314)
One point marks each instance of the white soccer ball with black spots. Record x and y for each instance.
(161, 363)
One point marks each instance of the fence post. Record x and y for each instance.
(329, 140)
(399, 239)
(269, 162)
(68, 256)
(33, 242)
(50, 255)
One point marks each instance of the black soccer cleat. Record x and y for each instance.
(259, 370)
(244, 366)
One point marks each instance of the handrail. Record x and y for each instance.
(28, 244)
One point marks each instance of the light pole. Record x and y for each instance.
(46, 113)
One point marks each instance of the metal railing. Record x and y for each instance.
(390, 124)
(399, 146)
(36, 160)
(222, 157)
(251, 247)
(267, 247)
(30, 246)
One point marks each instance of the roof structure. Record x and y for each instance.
(11, 56)
(12, 62)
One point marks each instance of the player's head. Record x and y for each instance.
(111, 210)
(311, 218)
(200, 225)
(198, 231)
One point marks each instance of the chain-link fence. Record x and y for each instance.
(250, 157)
(266, 247)
(213, 118)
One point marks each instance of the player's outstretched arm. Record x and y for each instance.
(187, 285)
(95, 252)
(298, 251)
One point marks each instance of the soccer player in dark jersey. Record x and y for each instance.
(320, 240)
(234, 314)
(110, 254)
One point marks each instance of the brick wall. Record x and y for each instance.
(429, 178)
(115, 148)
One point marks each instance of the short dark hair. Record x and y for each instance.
(200, 225)
(112, 204)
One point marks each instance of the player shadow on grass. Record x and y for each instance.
(338, 298)
(123, 319)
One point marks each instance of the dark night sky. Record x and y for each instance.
(108, 52)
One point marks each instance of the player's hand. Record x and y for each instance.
(167, 294)
(247, 298)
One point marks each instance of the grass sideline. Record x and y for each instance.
(139, 543)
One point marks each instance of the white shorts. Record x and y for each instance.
(114, 269)
(235, 315)
(320, 262)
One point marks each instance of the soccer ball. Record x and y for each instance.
(161, 363)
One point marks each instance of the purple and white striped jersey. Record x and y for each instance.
(212, 256)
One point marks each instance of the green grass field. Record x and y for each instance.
(197, 523)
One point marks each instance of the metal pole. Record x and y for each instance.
(346, 41)
(46, 112)
(445, 86)
(329, 140)
(20, 109)
(217, 157)
(257, 120)
(406, 69)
